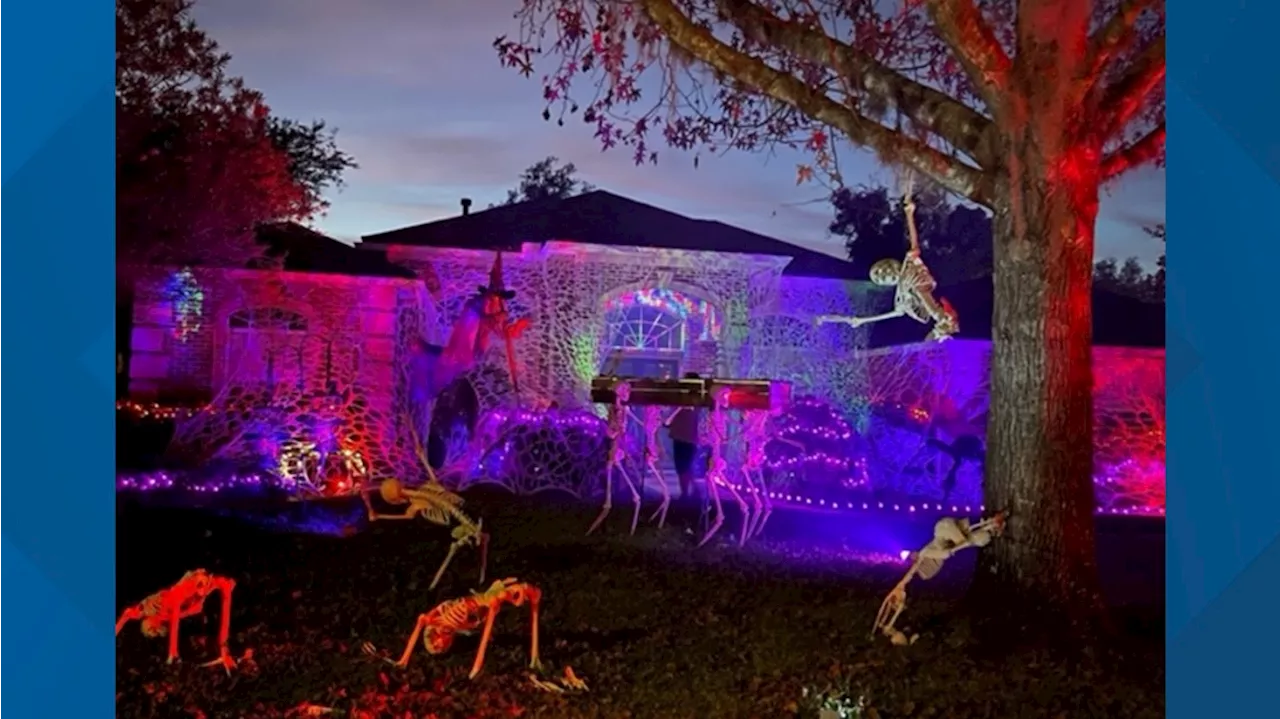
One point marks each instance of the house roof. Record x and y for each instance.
(603, 218)
(305, 250)
(1117, 320)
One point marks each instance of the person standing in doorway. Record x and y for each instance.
(682, 427)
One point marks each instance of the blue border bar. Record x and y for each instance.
(56, 288)
(1223, 577)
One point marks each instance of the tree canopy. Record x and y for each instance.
(546, 179)
(200, 162)
(923, 83)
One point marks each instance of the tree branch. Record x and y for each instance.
(1115, 37)
(1141, 151)
(699, 42)
(1122, 99)
(959, 125)
(961, 25)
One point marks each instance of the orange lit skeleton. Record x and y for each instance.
(915, 287)
(160, 613)
(441, 625)
(949, 536)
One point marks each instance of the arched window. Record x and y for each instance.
(644, 328)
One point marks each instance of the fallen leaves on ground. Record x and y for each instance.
(658, 628)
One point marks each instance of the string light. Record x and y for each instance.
(911, 507)
(675, 303)
(1115, 483)
(167, 481)
(157, 412)
(188, 304)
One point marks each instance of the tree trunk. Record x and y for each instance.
(1040, 432)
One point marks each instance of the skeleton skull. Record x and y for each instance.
(886, 272)
(391, 491)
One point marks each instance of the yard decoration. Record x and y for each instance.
(441, 625)
(617, 434)
(950, 535)
(915, 287)
(436, 504)
(160, 613)
(717, 473)
(651, 419)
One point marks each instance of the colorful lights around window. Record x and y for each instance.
(703, 321)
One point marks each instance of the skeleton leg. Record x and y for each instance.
(534, 661)
(224, 628)
(890, 609)
(635, 497)
(484, 642)
(413, 641)
(174, 618)
(661, 513)
(753, 512)
(766, 503)
(894, 603)
(608, 497)
(484, 555)
(744, 509)
(716, 507)
(453, 549)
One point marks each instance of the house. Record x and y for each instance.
(607, 283)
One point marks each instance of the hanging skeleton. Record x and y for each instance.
(915, 286)
(949, 536)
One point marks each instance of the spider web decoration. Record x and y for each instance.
(913, 408)
(284, 358)
(553, 449)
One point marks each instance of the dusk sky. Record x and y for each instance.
(420, 101)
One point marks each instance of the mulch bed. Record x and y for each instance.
(656, 628)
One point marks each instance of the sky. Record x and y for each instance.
(423, 105)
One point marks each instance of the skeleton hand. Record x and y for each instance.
(225, 661)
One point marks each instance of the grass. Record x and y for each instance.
(656, 628)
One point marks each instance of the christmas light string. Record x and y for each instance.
(500, 459)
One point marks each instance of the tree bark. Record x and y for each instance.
(1039, 454)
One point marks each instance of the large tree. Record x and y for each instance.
(955, 240)
(1024, 107)
(200, 162)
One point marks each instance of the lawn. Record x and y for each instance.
(656, 628)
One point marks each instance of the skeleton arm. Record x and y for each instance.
(859, 321)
